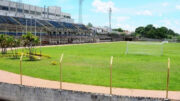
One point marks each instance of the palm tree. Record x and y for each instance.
(3, 43)
(10, 42)
(30, 40)
(16, 43)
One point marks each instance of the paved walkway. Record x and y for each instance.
(30, 81)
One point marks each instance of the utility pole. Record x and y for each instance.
(110, 13)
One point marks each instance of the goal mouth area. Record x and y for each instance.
(145, 48)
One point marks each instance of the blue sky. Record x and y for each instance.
(127, 14)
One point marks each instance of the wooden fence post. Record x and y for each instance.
(111, 61)
(168, 74)
(60, 71)
(20, 69)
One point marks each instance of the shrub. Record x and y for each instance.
(53, 63)
(34, 58)
(42, 55)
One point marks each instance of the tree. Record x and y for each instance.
(90, 25)
(30, 40)
(16, 43)
(4, 43)
(161, 33)
(10, 42)
(140, 31)
(119, 30)
(150, 31)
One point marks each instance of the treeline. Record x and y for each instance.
(150, 31)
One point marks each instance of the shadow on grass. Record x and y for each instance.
(25, 59)
(13, 58)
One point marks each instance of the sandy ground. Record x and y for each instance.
(30, 81)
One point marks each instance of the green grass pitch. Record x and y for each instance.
(89, 64)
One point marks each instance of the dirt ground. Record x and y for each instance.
(30, 81)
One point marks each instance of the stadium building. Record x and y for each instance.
(49, 23)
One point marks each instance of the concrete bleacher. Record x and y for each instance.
(82, 26)
(56, 24)
(28, 22)
(7, 20)
(69, 25)
(51, 32)
(39, 23)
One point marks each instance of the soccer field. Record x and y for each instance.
(89, 64)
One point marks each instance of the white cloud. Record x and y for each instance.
(126, 27)
(160, 15)
(165, 4)
(103, 7)
(156, 25)
(166, 22)
(172, 24)
(122, 18)
(145, 13)
(178, 7)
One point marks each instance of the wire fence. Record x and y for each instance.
(112, 72)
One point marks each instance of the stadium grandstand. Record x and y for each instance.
(49, 23)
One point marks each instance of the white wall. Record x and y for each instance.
(52, 9)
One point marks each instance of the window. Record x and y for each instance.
(26, 11)
(12, 9)
(19, 10)
(4, 8)
(32, 12)
(51, 14)
(44, 12)
(38, 13)
(68, 17)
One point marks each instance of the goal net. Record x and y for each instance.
(145, 48)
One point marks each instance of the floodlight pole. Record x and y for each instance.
(80, 12)
(110, 12)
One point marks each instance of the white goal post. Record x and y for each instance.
(145, 47)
